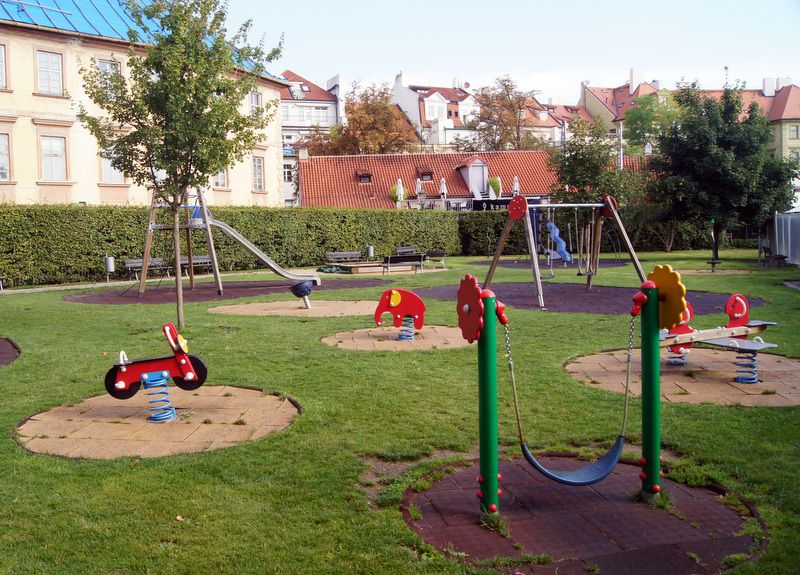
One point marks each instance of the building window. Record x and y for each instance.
(794, 155)
(221, 179)
(288, 172)
(109, 174)
(108, 67)
(50, 79)
(284, 113)
(794, 132)
(255, 101)
(5, 158)
(258, 173)
(54, 159)
(3, 85)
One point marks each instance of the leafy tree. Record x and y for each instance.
(374, 126)
(714, 166)
(177, 119)
(504, 120)
(648, 118)
(584, 169)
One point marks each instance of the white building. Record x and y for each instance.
(440, 115)
(304, 108)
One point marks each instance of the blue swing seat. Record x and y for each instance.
(588, 475)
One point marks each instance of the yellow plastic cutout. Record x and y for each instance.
(671, 295)
(394, 299)
(183, 343)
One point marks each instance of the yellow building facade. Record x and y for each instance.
(48, 157)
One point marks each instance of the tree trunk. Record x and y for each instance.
(717, 229)
(176, 238)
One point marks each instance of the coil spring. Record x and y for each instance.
(161, 409)
(407, 329)
(677, 358)
(748, 360)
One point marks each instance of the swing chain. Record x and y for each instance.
(508, 347)
(630, 339)
(628, 376)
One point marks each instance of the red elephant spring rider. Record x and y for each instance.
(407, 309)
(188, 371)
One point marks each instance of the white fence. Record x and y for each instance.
(786, 231)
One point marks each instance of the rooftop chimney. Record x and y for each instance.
(783, 82)
(769, 86)
(458, 84)
(637, 77)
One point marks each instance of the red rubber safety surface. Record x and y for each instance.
(165, 293)
(579, 526)
(8, 351)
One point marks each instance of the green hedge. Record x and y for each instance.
(60, 244)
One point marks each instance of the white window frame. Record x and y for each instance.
(221, 179)
(258, 174)
(3, 71)
(106, 66)
(288, 171)
(44, 71)
(794, 132)
(50, 168)
(255, 101)
(109, 174)
(5, 156)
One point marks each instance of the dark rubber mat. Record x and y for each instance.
(165, 293)
(581, 529)
(8, 351)
(563, 297)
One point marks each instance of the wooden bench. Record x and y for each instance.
(343, 257)
(134, 266)
(203, 262)
(412, 260)
(406, 250)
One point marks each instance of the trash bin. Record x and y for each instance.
(370, 251)
(109, 266)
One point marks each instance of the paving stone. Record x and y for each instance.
(385, 339)
(50, 428)
(477, 542)
(712, 552)
(295, 308)
(102, 430)
(53, 446)
(641, 525)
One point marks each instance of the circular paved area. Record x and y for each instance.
(707, 378)
(206, 291)
(319, 308)
(209, 418)
(385, 339)
(593, 529)
(8, 351)
(563, 297)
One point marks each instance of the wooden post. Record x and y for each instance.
(148, 245)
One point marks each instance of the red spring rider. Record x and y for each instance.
(188, 371)
(407, 309)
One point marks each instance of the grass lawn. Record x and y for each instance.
(295, 502)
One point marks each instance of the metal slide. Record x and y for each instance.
(231, 232)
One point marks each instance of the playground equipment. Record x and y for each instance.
(680, 339)
(198, 216)
(188, 371)
(478, 311)
(519, 209)
(407, 309)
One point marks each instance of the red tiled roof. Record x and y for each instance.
(619, 100)
(568, 113)
(330, 181)
(449, 94)
(786, 105)
(315, 93)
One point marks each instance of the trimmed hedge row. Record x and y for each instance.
(60, 244)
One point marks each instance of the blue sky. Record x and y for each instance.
(547, 46)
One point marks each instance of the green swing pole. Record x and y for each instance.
(487, 405)
(651, 395)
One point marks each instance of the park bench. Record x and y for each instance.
(343, 257)
(2, 279)
(406, 250)
(406, 260)
(201, 262)
(434, 257)
(134, 266)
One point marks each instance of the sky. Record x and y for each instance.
(544, 46)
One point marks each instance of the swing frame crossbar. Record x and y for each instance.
(593, 258)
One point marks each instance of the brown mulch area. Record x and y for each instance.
(563, 297)
(8, 351)
(599, 528)
(165, 293)
(557, 265)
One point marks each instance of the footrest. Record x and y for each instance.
(743, 344)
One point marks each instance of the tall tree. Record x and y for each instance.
(584, 170)
(177, 118)
(714, 166)
(504, 121)
(650, 116)
(374, 126)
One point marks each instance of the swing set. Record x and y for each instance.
(478, 313)
(588, 239)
